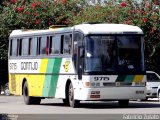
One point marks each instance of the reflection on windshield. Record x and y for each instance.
(129, 52)
(99, 53)
(113, 53)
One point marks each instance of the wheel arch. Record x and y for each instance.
(67, 87)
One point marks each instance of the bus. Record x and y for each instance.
(85, 62)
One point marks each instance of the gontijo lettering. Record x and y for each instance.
(29, 65)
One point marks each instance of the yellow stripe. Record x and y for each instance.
(138, 78)
(38, 80)
(43, 66)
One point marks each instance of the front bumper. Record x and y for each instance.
(110, 93)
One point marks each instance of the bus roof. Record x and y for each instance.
(108, 28)
(16, 33)
(84, 28)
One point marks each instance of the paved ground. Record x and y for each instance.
(15, 105)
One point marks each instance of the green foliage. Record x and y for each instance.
(37, 14)
(40, 14)
(33, 14)
(4, 33)
(146, 16)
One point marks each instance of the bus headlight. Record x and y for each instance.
(93, 84)
(97, 84)
(87, 84)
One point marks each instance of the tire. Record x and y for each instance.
(72, 102)
(66, 102)
(159, 96)
(27, 99)
(123, 103)
(142, 99)
(145, 99)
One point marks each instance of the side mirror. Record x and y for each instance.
(81, 52)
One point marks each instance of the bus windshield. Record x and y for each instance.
(117, 53)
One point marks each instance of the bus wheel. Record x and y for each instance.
(159, 96)
(36, 100)
(72, 102)
(123, 103)
(66, 102)
(27, 99)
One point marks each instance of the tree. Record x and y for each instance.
(40, 14)
(144, 15)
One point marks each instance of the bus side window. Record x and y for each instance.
(47, 45)
(75, 48)
(33, 46)
(14, 47)
(70, 44)
(66, 44)
(43, 43)
(25, 47)
(55, 44)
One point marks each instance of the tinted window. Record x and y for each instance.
(25, 47)
(67, 43)
(42, 45)
(14, 47)
(100, 53)
(55, 47)
(33, 46)
(77, 37)
(128, 46)
(152, 77)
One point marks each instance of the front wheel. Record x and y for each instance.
(123, 103)
(28, 100)
(159, 96)
(72, 102)
(66, 102)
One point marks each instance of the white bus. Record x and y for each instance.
(86, 62)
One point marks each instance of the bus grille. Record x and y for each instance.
(120, 84)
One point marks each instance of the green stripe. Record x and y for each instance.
(129, 78)
(120, 78)
(54, 79)
(50, 83)
(48, 78)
